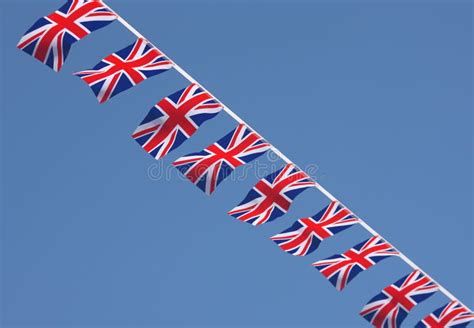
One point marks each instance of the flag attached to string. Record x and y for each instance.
(124, 69)
(174, 119)
(50, 39)
(451, 315)
(207, 168)
(272, 196)
(391, 306)
(341, 269)
(305, 235)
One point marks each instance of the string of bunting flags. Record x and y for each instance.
(175, 118)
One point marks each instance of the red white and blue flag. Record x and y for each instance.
(305, 235)
(389, 308)
(124, 69)
(175, 119)
(342, 268)
(272, 196)
(50, 38)
(207, 168)
(452, 315)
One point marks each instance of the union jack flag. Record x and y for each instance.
(207, 168)
(272, 196)
(341, 269)
(305, 235)
(51, 37)
(453, 315)
(389, 308)
(124, 69)
(174, 119)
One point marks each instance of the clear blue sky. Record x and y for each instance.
(378, 95)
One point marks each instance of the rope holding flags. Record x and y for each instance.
(177, 117)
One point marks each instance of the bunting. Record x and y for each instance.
(176, 118)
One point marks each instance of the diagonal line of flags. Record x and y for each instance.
(175, 118)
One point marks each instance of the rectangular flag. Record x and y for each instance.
(51, 37)
(207, 168)
(392, 305)
(272, 196)
(124, 69)
(342, 268)
(305, 235)
(453, 315)
(175, 119)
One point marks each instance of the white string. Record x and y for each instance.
(286, 159)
